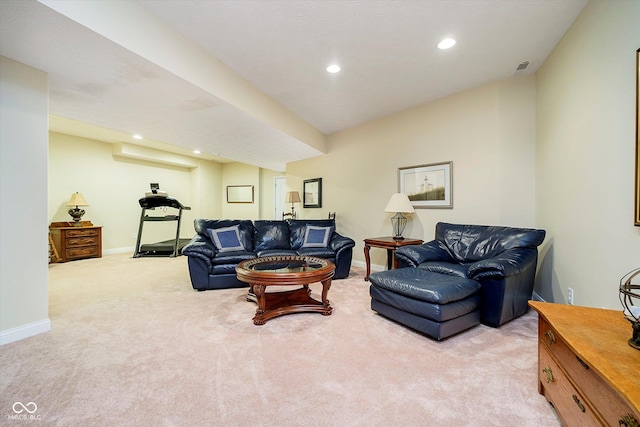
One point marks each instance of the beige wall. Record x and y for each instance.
(489, 135)
(112, 186)
(23, 220)
(585, 155)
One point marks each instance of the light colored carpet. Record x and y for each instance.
(133, 344)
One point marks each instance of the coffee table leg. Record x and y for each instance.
(258, 290)
(326, 285)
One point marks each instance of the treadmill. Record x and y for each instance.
(167, 248)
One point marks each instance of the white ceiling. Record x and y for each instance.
(387, 51)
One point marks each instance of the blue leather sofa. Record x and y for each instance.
(502, 260)
(213, 268)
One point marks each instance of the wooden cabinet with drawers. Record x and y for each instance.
(586, 369)
(73, 242)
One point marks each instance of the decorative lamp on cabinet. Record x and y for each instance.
(77, 199)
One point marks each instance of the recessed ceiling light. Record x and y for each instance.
(136, 136)
(196, 151)
(446, 43)
(333, 68)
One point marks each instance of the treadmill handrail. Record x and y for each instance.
(159, 201)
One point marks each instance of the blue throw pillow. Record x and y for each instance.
(227, 239)
(317, 237)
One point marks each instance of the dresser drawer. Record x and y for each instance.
(569, 403)
(82, 252)
(602, 397)
(81, 232)
(82, 241)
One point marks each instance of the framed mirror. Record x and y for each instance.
(312, 193)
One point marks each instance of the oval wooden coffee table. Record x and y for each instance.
(288, 270)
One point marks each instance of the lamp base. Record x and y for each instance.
(76, 213)
(398, 222)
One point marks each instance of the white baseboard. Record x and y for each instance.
(118, 251)
(537, 297)
(24, 331)
(374, 267)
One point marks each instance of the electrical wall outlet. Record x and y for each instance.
(570, 296)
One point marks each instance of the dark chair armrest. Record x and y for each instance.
(508, 263)
(414, 255)
(338, 242)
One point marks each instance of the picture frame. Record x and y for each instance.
(239, 193)
(637, 183)
(428, 186)
(312, 193)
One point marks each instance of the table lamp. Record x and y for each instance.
(76, 213)
(292, 197)
(399, 203)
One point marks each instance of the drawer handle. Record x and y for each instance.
(584, 365)
(580, 405)
(550, 337)
(628, 421)
(549, 373)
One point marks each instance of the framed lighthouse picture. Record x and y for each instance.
(428, 186)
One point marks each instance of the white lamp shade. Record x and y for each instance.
(399, 203)
(77, 200)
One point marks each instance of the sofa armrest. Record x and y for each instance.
(339, 243)
(508, 263)
(414, 255)
(199, 246)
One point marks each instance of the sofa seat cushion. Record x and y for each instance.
(425, 285)
(234, 257)
(317, 252)
(275, 252)
(437, 312)
(452, 269)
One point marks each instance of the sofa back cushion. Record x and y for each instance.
(298, 228)
(245, 229)
(269, 235)
(471, 243)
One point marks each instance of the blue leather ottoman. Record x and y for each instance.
(437, 305)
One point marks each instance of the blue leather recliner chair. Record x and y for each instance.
(502, 260)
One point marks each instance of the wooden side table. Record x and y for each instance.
(76, 242)
(390, 245)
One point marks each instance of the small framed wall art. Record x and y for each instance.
(428, 186)
(312, 193)
(239, 193)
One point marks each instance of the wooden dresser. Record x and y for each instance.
(586, 369)
(73, 243)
